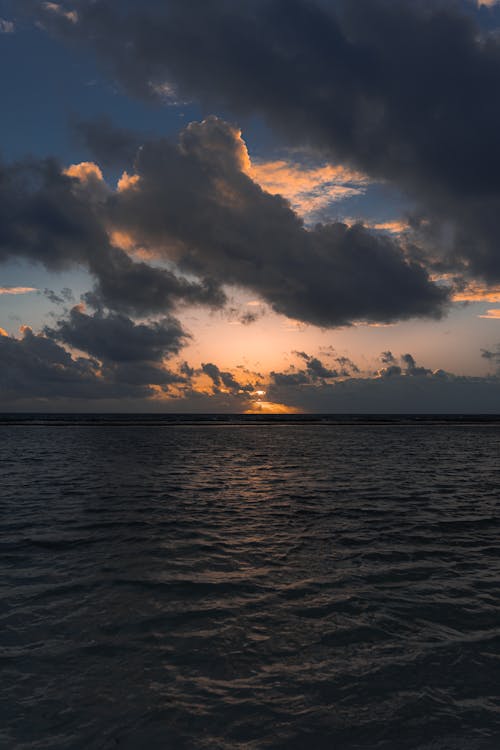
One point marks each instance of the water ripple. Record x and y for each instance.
(250, 586)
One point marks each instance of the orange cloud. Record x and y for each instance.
(17, 289)
(491, 315)
(395, 227)
(127, 181)
(474, 292)
(4, 333)
(123, 240)
(84, 171)
(309, 189)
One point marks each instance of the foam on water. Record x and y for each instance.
(259, 586)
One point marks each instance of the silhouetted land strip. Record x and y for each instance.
(172, 420)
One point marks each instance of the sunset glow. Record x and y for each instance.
(196, 241)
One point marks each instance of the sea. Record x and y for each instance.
(222, 582)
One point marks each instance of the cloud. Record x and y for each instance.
(114, 337)
(394, 389)
(387, 358)
(224, 381)
(65, 296)
(109, 145)
(492, 356)
(310, 189)
(491, 315)
(57, 218)
(38, 372)
(317, 373)
(195, 204)
(6, 27)
(290, 378)
(192, 208)
(402, 92)
(37, 367)
(441, 393)
(411, 366)
(475, 292)
(17, 290)
(58, 10)
(316, 369)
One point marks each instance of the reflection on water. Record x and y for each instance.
(258, 586)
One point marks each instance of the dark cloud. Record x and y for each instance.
(44, 220)
(110, 145)
(36, 367)
(347, 366)
(51, 218)
(187, 370)
(390, 371)
(315, 372)
(315, 367)
(248, 318)
(492, 356)
(405, 91)
(440, 393)
(411, 366)
(387, 358)
(224, 380)
(115, 337)
(393, 390)
(290, 378)
(195, 204)
(65, 296)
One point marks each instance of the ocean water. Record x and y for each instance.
(246, 584)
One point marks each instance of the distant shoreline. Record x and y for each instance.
(33, 419)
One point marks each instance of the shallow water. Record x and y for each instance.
(250, 586)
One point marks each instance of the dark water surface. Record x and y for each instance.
(255, 585)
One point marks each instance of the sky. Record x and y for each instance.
(250, 206)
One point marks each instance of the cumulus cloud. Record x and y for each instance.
(193, 206)
(224, 381)
(316, 369)
(402, 92)
(195, 203)
(38, 366)
(115, 337)
(35, 367)
(57, 218)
